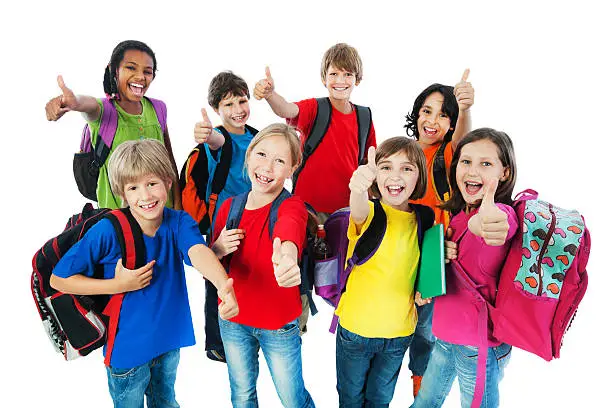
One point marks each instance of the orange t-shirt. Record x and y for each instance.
(431, 198)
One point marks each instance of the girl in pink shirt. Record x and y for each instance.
(482, 177)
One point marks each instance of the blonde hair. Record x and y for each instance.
(136, 158)
(279, 129)
(344, 57)
(413, 152)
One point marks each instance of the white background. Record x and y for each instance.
(540, 72)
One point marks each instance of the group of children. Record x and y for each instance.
(380, 314)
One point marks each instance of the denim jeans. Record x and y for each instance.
(282, 350)
(155, 379)
(452, 360)
(211, 318)
(423, 341)
(367, 368)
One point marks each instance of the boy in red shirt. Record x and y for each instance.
(337, 156)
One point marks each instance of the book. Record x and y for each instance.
(431, 279)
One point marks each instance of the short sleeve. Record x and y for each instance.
(305, 117)
(188, 235)
(291, 222)
(351, 233)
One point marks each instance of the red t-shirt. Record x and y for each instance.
(264, 304)
(323, 183)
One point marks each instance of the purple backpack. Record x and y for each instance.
(331, 275)
(541, 283)
(86, 164)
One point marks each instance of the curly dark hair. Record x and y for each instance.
(110, 79)
(449, 107)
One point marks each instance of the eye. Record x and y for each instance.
(408, 169)
(131, 188)
(385, 167)
(487, 164)
(281, 161)
(349, 74)
(464, 161)
(261, 154)
(426, 111)
(130, 67)
(148, 72)
(443, 115)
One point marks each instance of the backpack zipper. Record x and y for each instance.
(553, 224)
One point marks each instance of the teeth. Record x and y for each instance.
(137, 85)
(263, 178)
(469, 183)
(148, 206)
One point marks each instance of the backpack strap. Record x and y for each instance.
(364, 123)
(439, 175)
(106, 134)
(365, 248)
(318, 130)
(162, 113)
(220, 174)
(236, 209)
(133, 255)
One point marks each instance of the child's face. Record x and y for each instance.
(234, 112)
(339, 83)
(479, 162)
(432, 124)
(134, 75)
(396, 178)
(269, 164)
(146, 196)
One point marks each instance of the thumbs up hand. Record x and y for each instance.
(264, 87)
(490, 223)
(58, 106)
(286, 270)
(364, 176)
(464, 93)
(202, 129)
(228, 307)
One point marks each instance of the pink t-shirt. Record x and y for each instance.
(455, 316)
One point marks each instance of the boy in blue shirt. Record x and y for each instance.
(228, 95)
(155, 319)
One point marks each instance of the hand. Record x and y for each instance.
(129, 280)
(491, 221)
(202, 129)
(286, 270)
(464, 93)
(420, 301)
(58, 106)
(265, 87)
(228, 307)
(227, 242)
(450, 247)
(364, 176)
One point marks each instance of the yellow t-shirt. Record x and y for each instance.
(379, 297)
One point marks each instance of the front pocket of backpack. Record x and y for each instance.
(85, 174)
(326, 277)
(82, 327)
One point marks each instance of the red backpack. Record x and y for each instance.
(540, 286)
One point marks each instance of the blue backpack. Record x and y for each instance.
(306, 263)
(331, 275)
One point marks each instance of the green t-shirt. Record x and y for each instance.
(129, 127)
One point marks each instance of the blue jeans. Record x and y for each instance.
(367, 368)
(282, 350)
(423, 341)
(452, 360)
(155, 379)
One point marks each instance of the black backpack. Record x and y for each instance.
(79, 324)
(194, 177)
(320, 126)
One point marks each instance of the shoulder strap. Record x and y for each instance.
(274, 209)
(440, 178)
(318, 130)
(161, 111)
(222, 169)
(133, 255)
(425, 220)
(364, 123)
(106, 134)
(251, 130)
(370, 240)
(236, 209)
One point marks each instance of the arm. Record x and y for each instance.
(361, 181)
(464, 93)
(125, 280)
(203, 132)
(68, 101)
(264, 89)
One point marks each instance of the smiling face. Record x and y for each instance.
(146, 196)
(339, 83)
(269, 164)
(396, 178)
(134, 75)
(433, 123)
(479, 162)
(234, 112)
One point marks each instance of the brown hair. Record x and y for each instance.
(415, 155)
(136, 158)
(345, 57)
(223, 84)
(279, 129)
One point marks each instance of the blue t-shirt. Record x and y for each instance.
(238, 181)
(157, 318)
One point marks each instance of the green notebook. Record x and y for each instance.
(431, 280)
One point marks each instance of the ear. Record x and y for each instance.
(506, 174)
(169, 185)
(357, 82)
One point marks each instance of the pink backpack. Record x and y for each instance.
(540, 286)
